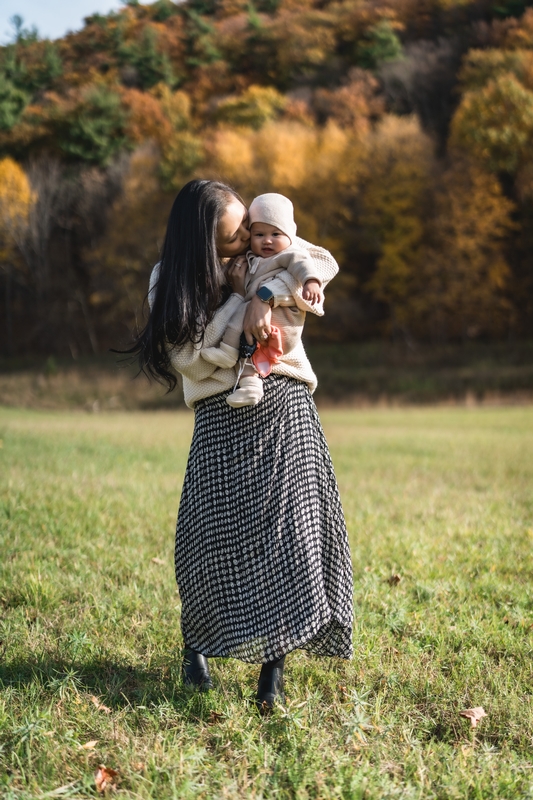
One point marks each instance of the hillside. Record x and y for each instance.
(401, 130)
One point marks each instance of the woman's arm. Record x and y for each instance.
(257, 320)
(323, 267)
(186, 358)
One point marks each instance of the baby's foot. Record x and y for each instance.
(249, 393)
(223, 356)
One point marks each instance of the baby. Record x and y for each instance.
(272, 253)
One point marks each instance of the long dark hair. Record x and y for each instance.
(191, 283)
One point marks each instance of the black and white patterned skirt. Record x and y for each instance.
(262, 557)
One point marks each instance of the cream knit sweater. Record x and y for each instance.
(202, 379)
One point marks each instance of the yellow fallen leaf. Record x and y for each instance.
(158, 561)
(89, 745)
(100, 706)
(105, 778)
(473, 714)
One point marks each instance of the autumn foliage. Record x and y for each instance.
(403, 133)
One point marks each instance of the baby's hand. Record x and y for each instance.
(312, 293)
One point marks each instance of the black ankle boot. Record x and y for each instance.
(270, 686)
(195, 670)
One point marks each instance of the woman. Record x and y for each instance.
(262, 557)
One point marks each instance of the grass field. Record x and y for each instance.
(89, 622)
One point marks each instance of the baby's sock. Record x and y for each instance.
(227, 353)
(249, 393)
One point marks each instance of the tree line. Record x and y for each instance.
(401, 130)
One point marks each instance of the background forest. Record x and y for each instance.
(401, 130)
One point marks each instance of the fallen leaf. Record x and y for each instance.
(473, 714)
(158, 561)
(138, 766)
(394, 580)
(89, 745)
(392, 769)
(215, 716)
(105, 778)
(100, 706)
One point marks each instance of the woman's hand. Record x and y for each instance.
(257, 320)
(236, 274)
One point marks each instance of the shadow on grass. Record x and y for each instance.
(115, 685)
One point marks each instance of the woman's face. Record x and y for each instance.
(233, 235)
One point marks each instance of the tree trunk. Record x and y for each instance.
(89, 327)
(9, 310)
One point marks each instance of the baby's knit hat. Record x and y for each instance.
(274, 209)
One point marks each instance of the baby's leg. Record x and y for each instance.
(250, 390)
(227, 353)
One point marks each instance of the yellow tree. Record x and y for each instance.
(120, 261)
(251, 109)
(463, 276)
(16, 200)
(495, 124)
(399, 165)
(315, 167)
(318, 169)
(182, 151)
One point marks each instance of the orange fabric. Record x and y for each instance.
(268, 353)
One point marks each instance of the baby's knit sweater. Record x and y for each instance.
(202, 379)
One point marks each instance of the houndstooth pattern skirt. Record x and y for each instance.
(262, 556)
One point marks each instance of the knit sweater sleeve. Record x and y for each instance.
(302, 263)
(320, 263)
(186, 358)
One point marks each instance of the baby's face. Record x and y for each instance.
(266, 240)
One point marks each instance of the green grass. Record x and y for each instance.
(442, 497)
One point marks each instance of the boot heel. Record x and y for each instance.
(195, 670)
(270, 685)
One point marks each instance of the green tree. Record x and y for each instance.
(13, 101)
(379, 44)
(163, 10)
(509, 8)
(152, 65)
(202, 43)
(94, 129)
